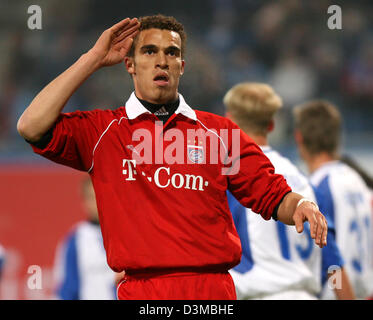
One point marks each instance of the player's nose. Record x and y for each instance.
(161, 61)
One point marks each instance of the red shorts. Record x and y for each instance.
(177, 286)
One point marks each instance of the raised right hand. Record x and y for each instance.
(111, 48)
(115, 42)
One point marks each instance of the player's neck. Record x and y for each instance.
(314, 162)
(158, 100)
(258, 139)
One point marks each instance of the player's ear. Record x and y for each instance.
(298, 137)
(182, 67)
(130, 65)
(271, 126)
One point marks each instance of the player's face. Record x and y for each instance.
(157, 65)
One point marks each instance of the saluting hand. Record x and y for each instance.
(115, 42)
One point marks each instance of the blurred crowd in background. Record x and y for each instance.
(284, 43)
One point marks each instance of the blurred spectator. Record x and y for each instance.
(358, 79)
(293, 79)
(268, 26)
(244, 66)
(327, 61)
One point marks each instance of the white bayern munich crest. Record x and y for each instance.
(195, 154)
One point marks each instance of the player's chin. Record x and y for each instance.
(165, 90)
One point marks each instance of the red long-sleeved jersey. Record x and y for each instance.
(171, 210)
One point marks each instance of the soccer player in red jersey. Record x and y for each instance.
(160, 189)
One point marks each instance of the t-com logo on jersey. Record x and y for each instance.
(163, 177)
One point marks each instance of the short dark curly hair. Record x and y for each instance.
(162, 22)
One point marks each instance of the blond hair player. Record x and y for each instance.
(277, 263)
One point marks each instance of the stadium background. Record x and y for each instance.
(284, 43)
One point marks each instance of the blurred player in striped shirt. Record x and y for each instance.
(341, 193)
(2, 259)
(81, 271)
(276, 262)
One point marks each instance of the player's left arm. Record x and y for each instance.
(293, 212)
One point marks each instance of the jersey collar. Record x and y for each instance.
(265, 148)
(322, 171)
(134, 108)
